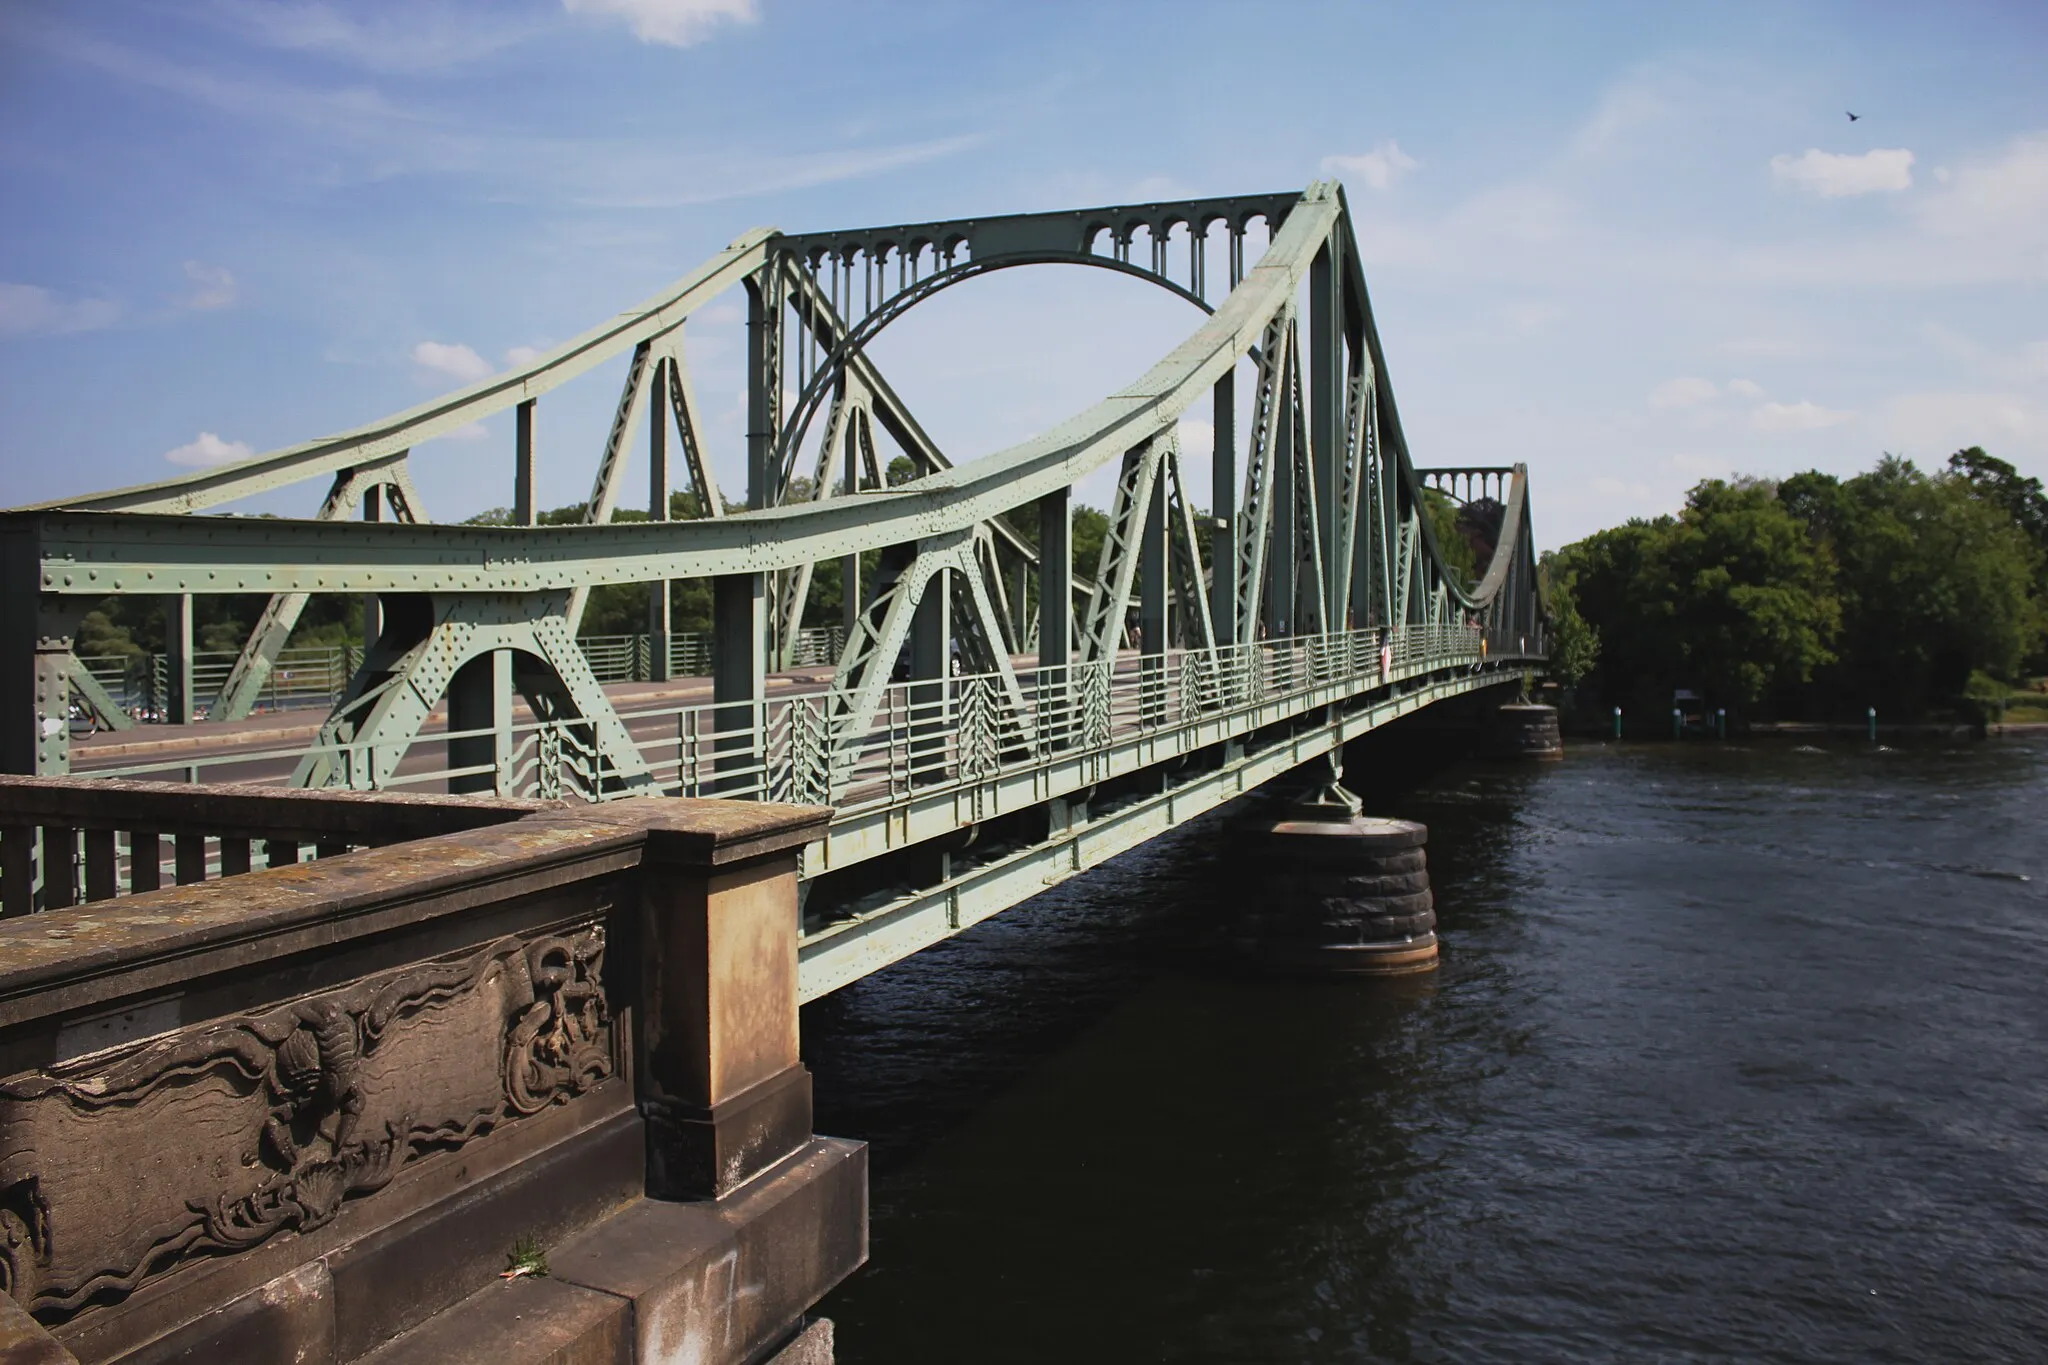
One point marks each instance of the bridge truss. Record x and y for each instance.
(993, 721)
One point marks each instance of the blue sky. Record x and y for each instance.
(1633, 246)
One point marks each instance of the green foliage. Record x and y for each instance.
(1751, 606)
(1574, 643)
(1987, 695)
(1937, 580)
(132, 626)
(1888, 589)
(100, 637)
(527, 1257)
(2000, 483)
(1450, 537)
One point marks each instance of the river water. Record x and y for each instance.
(1737, 1052)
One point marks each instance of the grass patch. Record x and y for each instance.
(527, 1257)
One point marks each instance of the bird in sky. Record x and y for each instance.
(1852, 117)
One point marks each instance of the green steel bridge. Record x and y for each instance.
(993, 722)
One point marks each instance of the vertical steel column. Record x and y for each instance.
(524, 511)
(35, 668)
(659, 616)
(764, 385)
(739, 671)
(1326, 411)
(1055, 611)
(1282, 554)
(931, 657)
(178, 702)
(851, 601)
(1152, 604)
(1056, 578)
(1365, 533)
(1223, 499)
(480, 698)
(1020, 614)
(373, 605)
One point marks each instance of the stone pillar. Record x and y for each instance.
(1523, 730)
(721, 1084)
(1341, 892)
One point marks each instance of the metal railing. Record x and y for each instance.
(140, 684)
(813, 746)
(317, 676)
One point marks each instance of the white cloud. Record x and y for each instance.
(519, 357)
(209, 449)
(1800, 416)
(1930, 425)
(1745, 388)
(28, 310)
(1834, 175)
(674, 23)
(471, 431)
(456, 361)
(1683, 393)
(1197, 436)
(1991, 217)
(1379, 168)
(214, 286)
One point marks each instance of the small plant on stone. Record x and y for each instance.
(527, 1257)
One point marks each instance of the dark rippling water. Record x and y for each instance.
(1737, 1053)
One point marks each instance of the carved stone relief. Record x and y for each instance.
(123, 1164)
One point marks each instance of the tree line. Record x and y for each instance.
(1814, 597)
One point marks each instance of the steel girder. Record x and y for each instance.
(883, 630)
(408, 671)
(1330, 524)
(385, 476)
(1109, 604)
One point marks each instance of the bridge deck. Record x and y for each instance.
(1096, 758)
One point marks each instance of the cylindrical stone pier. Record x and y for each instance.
(1348, 896)
(1523, 730)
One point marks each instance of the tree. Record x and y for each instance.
(1998, 481)
(1938, 579)
(1753, 606)
(1619, 585)
(1732, 595)
(1574, 643)
(1442, 512)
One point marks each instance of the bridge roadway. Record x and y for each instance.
(940, 820)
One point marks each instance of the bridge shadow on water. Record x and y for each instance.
(1098, 1135)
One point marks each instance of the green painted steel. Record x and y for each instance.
(1322, 532)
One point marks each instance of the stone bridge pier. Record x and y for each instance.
(451, 1079)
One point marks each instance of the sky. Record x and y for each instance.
(1630, 246)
